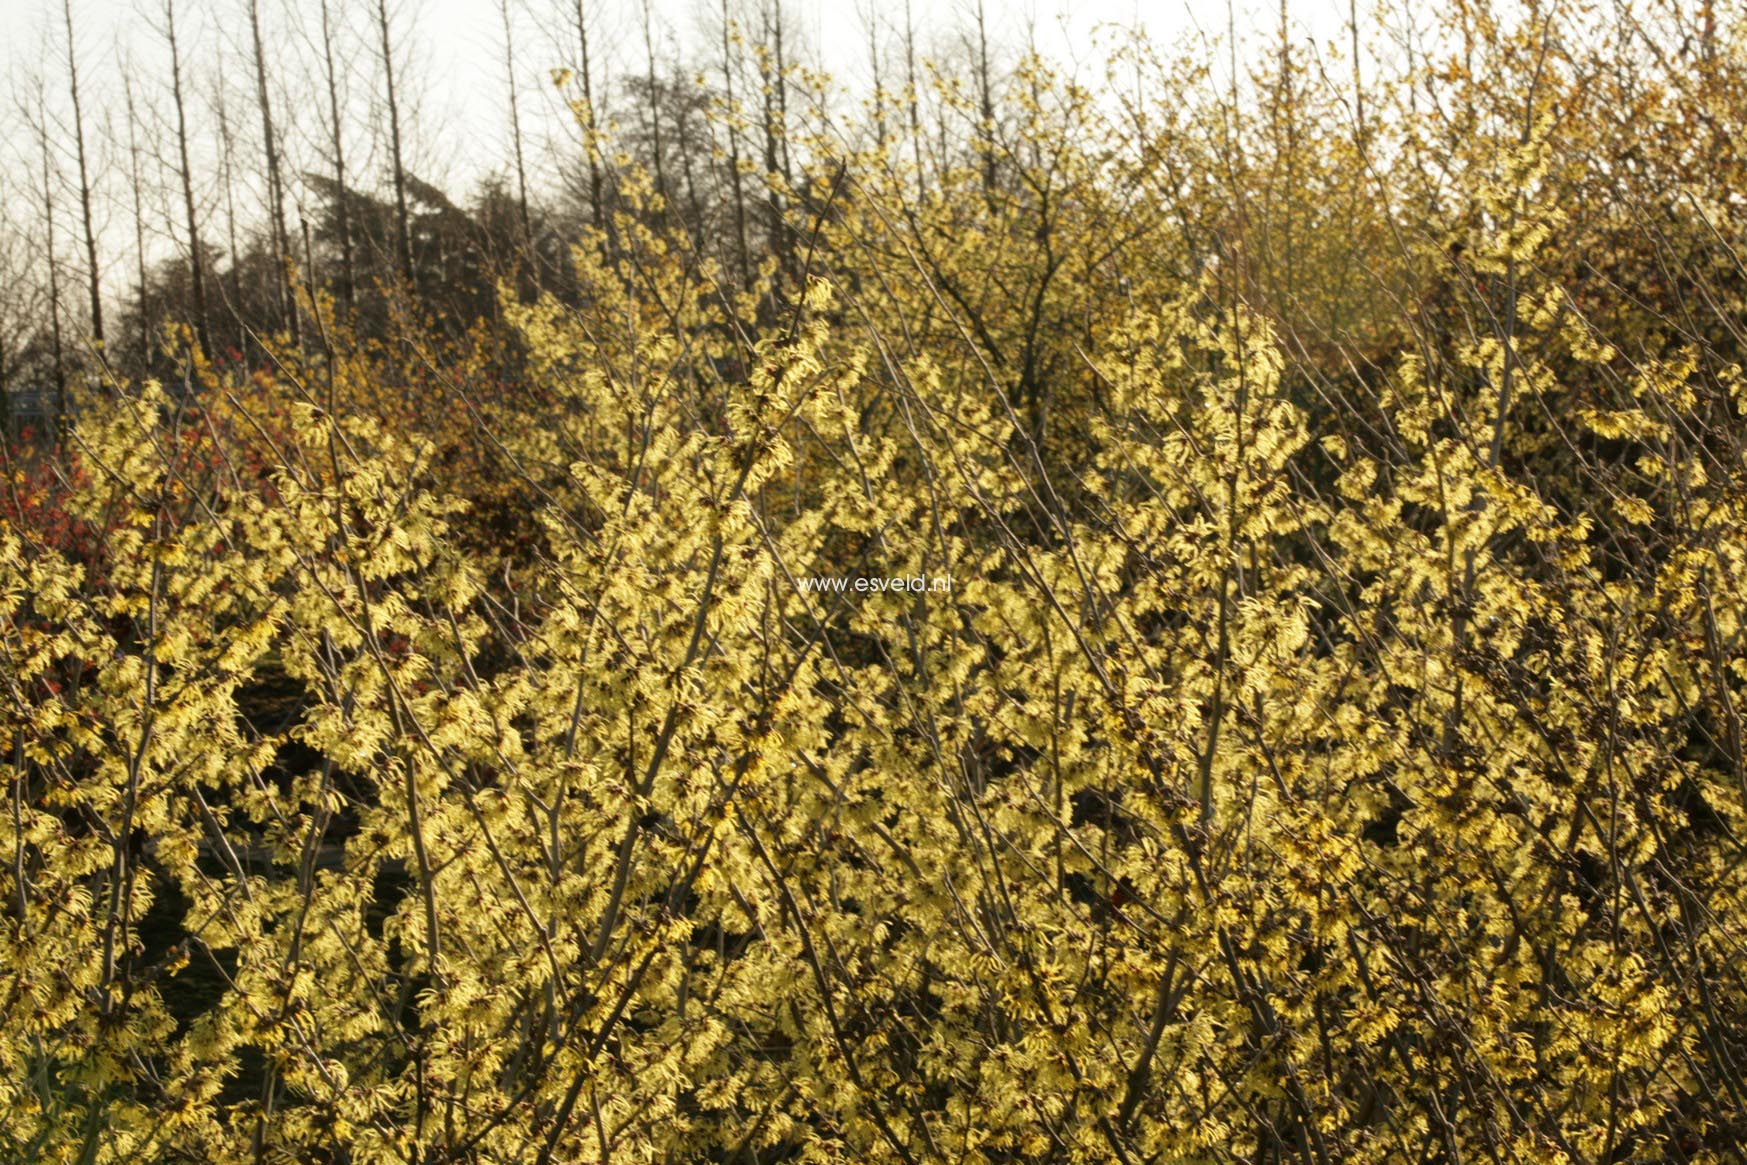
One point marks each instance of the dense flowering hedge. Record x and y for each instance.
(1284, 777)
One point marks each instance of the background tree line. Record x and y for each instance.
(234, 152)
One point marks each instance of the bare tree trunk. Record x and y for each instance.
(342, 209)
(686, 146)
(227, 168)
(1286, 138)
(871, 20)
(773, 70)
(136, 180)
(654, 105)
(1358, 85)
(782, 92)
(93, 272)
(196, 261)
(275, 182)
(913, 94)
(765, 57)
(591, 123)
(986, 105)
(57, 346)
(734, 146)
(509, 62)
(18, 307)
(402, 220)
